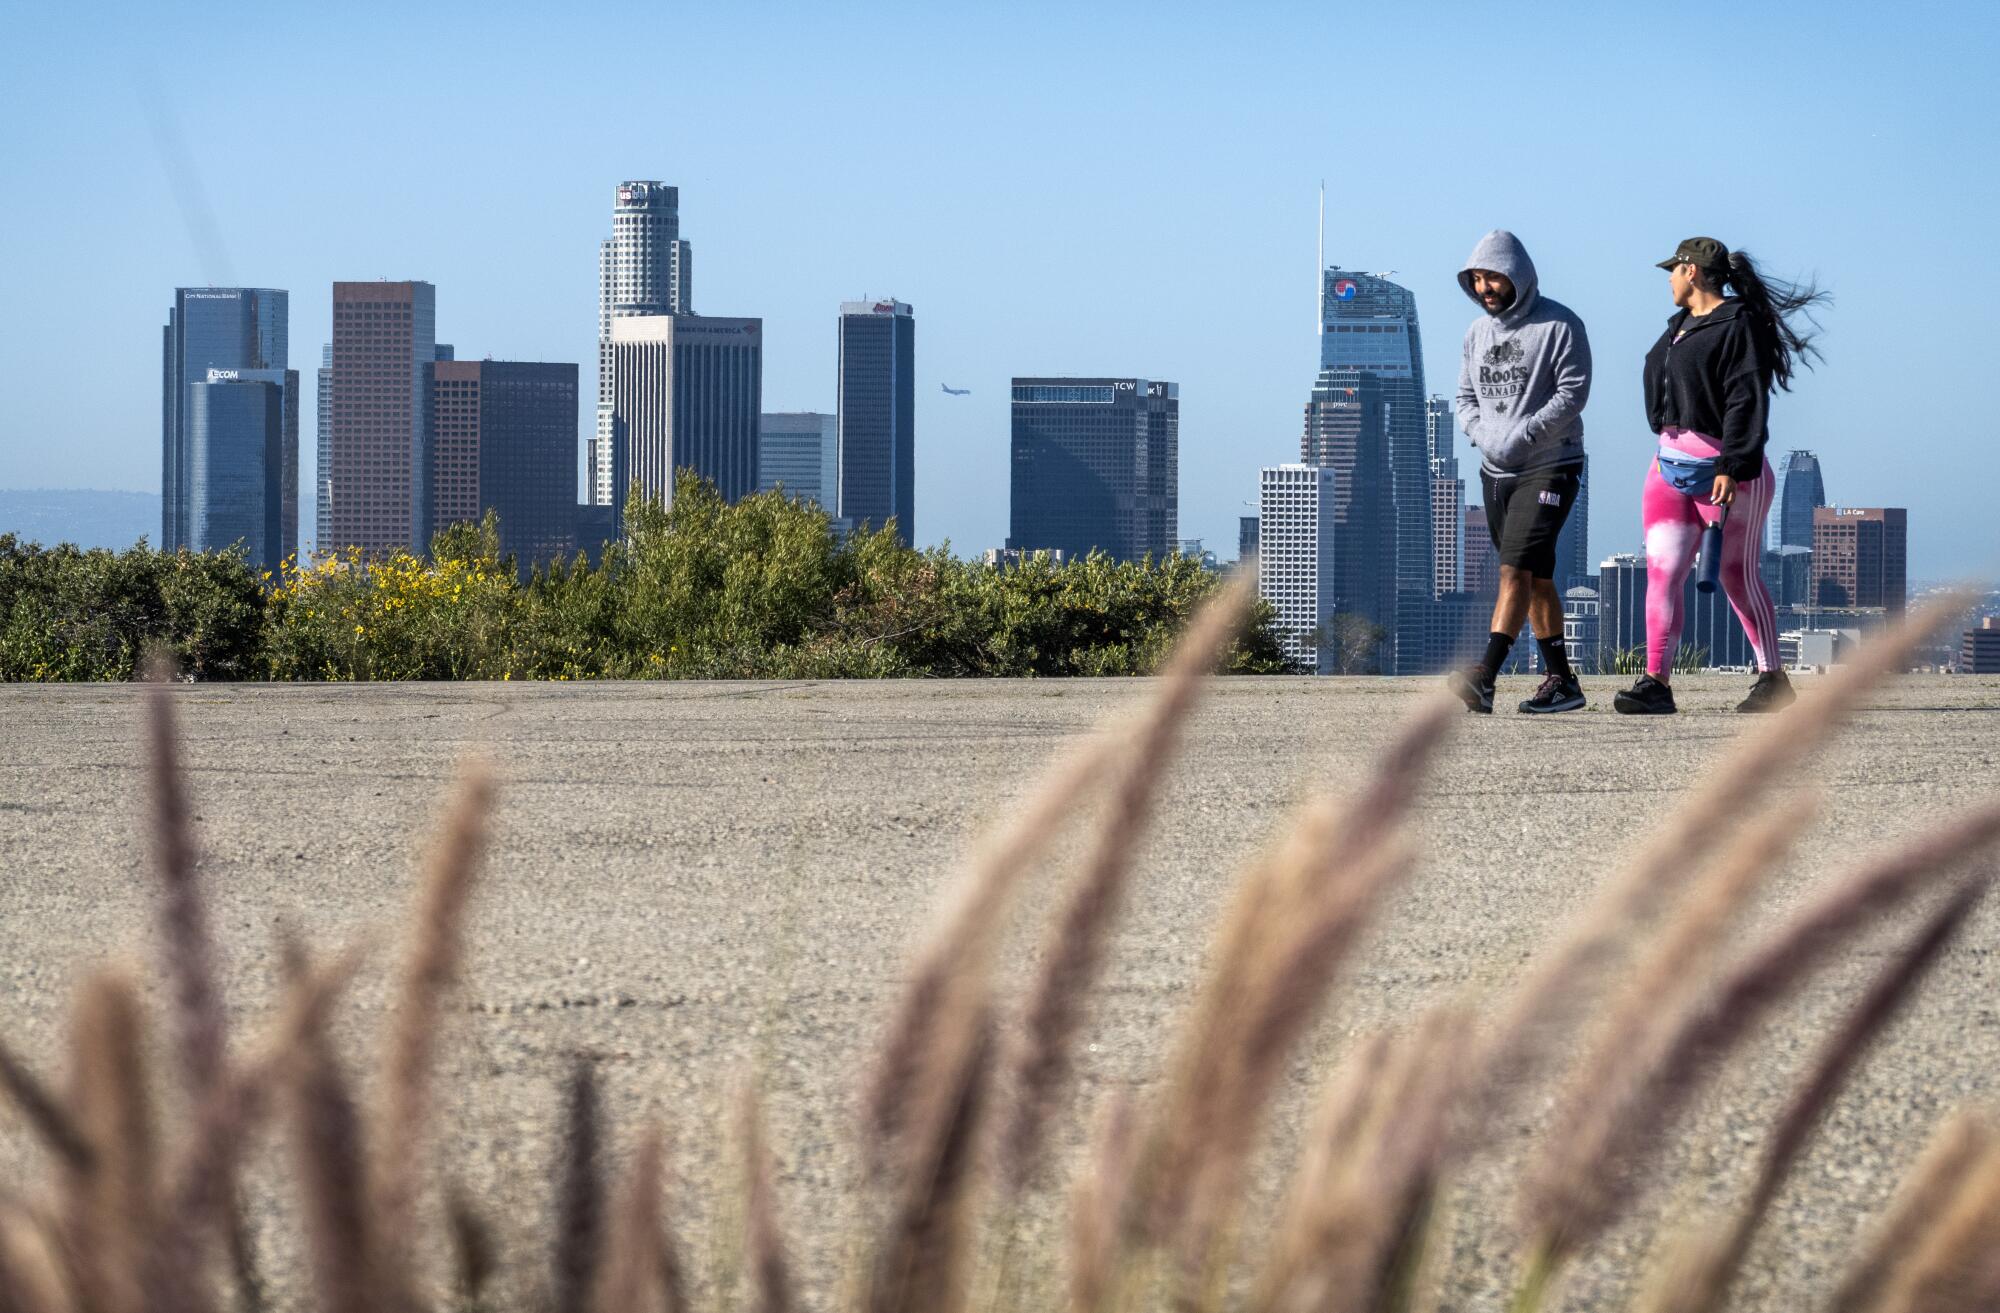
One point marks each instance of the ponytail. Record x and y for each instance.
(1776, 310)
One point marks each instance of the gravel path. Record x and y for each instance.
(692, 881)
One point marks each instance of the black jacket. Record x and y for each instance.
(1712, 381)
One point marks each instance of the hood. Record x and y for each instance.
(1502, 252)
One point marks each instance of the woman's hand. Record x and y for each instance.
(1724, 491)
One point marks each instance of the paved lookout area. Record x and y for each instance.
(692, 881)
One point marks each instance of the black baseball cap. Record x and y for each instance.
(1702, 252)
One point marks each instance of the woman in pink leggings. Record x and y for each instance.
(1708, 388)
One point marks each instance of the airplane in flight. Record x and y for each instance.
(951, 391)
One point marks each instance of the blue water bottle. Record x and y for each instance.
(1710, 572)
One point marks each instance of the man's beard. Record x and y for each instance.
(1506, 304)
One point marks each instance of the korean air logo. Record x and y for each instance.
(1344, 289)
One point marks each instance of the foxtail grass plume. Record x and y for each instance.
(1074, 954)
(1699, 1277)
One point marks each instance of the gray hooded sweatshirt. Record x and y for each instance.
(1525, 373)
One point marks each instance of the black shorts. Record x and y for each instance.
(1525, 514)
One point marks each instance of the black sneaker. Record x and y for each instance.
(1557, 693)
(1771, 692)
(1474, 687)
(1648, 697)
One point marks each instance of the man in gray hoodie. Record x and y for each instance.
(1522, 382)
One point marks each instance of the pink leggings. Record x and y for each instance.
(1673, 524)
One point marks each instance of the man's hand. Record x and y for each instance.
(1724, 491)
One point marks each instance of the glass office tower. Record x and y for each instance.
(208, 328)
(1800, 492)
(236, 462)
(1096, 467)
(1368, 323)
(877, 416)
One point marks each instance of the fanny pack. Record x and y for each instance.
(1691, 476)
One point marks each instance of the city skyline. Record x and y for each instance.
(791, 219)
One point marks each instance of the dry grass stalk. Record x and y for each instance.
(200, 1187)
(185, 938)
(1705, 1034)
(641, 1271)
(45, 1115)
(31, 1265)
(1074, 956)
(921, 1255)
(1965, 1138)
(428, 972)
(579, 1225)
(1565, 979)
(1348, 1236)
(329, 1150)
(1700, 1278)
(475, 1256)
(1097, 1207)
(1567, 1190)
(1284, 936)
(111, 1206)
(766, 1268)
(1949, 1268)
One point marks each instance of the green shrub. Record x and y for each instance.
(67, 614)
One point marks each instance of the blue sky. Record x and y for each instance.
(1083, 189)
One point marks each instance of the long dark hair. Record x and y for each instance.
(1782, 325)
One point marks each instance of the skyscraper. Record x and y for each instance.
(374, 485)
(1621, 605)
(322, 440)
(1447, 498)
(1860, 557)
(503, 438)
(1368, 323)
(688, 391)
(1347, 430)
(1096, 466)
(1297, 533)
(643, 268)
(799, 452)
(1573, 543)
(877, 415)
(231, 328)
(1800, 491)
(1247, 537)
(241, 442)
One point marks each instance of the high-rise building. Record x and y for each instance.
(799, 451)
(1860, 557)
(1347, 430)
(241, 442)
(232, 328)
(643, 268)
(1096, 466)
(1369, 324)
(1297, 533)
(1582, 625)
(1447, 498)
(688, 392)
(374, 486)
(1573, 543)
(877, 415)
(503, 438)
(1482, 558)
(1787, 575)
(1979, 649)
(322, 439)
(1621, 605)
(1246, 537)
(1800, 492)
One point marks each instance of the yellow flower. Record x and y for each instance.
(358, 631)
